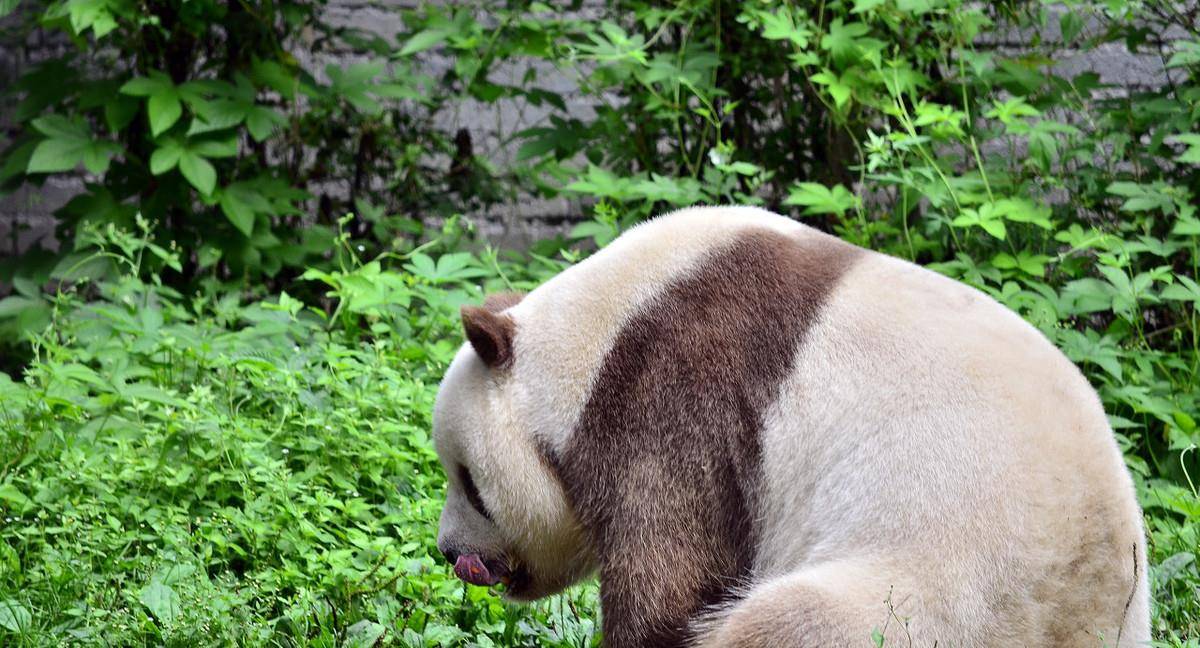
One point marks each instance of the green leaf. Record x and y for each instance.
(536, 147)
(97, 155)
(863, 6)
(838, 89)
(1186, 290)
(1030, 264)
(424, 40)
(119, 111)
(13, 495)
(198, 171)
(273, 75)
(844, 40)
(239, 208)
(819, 199)
(59, 127)
(157, 83)
(1187, 226)
(54, 155)
(17, 161)
(14, 617)
(93, 14)
(782, 26)
(164, 110)
(261, 122)
(165, 157)
(363, 634)
(988, 217)
(7, 6)
(1192, 154)
(160, 600)
(214, 148)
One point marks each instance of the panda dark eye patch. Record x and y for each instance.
(472, 492)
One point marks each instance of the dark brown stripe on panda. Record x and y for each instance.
(664, 467)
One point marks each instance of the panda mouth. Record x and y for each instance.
(517, 581)
(473, 569)
(487, 572)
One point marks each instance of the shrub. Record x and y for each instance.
(204, 470)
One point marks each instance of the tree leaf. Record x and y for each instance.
(165, 157)
(261, 122)
(54, 155)
(59, 127)
(147, 86)
(164, 110)
(97, 154)
(210, 148)
(198, 171)
(237, 209)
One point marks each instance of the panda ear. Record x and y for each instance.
(490, 334)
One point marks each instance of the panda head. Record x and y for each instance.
(506, 518)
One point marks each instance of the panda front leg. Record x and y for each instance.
(847, 603)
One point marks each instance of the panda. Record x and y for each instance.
(761, 436)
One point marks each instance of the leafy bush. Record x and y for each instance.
(198, 116)
(206, 470)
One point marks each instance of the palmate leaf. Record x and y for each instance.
(819, 199)
(163, 106)
(68, 144)
(91, 14)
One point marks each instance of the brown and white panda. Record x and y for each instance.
(762, 436)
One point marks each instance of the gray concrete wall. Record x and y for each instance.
(511, 225)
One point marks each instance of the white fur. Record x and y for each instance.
(568, 325)
(932, 434)
(917, 462)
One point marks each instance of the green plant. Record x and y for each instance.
(198, 117)
(182, 470)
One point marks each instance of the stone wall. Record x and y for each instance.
(527, 219)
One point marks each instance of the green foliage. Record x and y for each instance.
(185, 470)
(197, 116)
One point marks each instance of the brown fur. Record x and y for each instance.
(664, 467)
(491, 334)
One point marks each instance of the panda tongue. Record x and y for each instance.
(471, 569)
